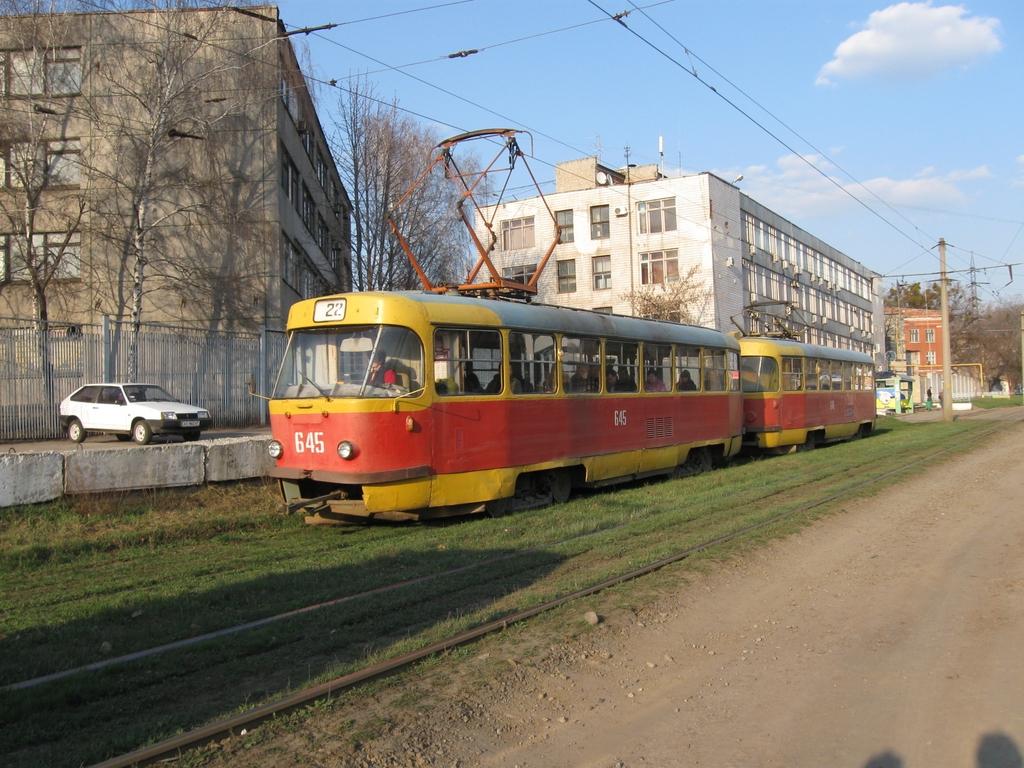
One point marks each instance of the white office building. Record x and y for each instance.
(622, 237)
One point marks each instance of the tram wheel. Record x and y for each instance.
(698, 460)
(558, 484)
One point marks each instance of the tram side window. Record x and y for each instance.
(532, 363)
(581, 360)
(847, 375)
(837, 374)
(620, 366)
(687, 369)
(657, 368)
(822, 375)
(865, 376)
(714, 370)
(813, 374)
(759, 374)
(792, 374)
(732, 370)
(467, 362)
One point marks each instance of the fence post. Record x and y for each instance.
(108, 374)
(261, 385)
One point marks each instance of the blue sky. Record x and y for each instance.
(919, 102)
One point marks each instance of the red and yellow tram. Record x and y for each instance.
(411, 405)
(797, 394)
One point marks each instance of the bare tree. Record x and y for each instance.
(685, 299)
(42, 202)
(381, 154)
(152, 105)
(994, 340)
(42, 197)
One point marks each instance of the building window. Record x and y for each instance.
(565, 231)
(57, 72)
(290, 264)
(602, 272)
(603, 310)
(63, 162)
(519, 274)
(308, 209)
(915, 336)
(929, 335)
(53, 253)
(659, 267)
(517, 234)
(290, 100)
(567, 276)
(929, 358)
(657, 215)
(600, 228)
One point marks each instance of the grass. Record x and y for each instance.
(997, 402)
(85, 580)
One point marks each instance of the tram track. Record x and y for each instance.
(236, 724)
(223, 632)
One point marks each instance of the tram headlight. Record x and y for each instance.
(275, 449)
(346, 450)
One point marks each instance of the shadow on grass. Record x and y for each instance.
(92, 715)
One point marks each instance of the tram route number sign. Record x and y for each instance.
(329, 310)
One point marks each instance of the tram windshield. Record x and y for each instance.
(759, 374)
(365, 361)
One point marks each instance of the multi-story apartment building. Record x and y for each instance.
(167, 162)
(627, 232)
(915, 338)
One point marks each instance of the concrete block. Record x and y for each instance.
(149, 466)
(237, 458)
(30, 478)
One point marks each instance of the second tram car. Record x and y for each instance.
(411, 405)
(801, 395)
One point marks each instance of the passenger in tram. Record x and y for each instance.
(611, 379)
(686, 383)
(653, 382)
(580, 380)
(382, 372)
(471, 382)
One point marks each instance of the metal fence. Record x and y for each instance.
(209, 369)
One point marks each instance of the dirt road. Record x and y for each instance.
(888, 636)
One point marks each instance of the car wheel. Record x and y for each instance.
(75, 431)
(141, 432)
(123, 438)
(191, 437)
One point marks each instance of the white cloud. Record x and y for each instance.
(971, 174)
(913, 40)
(795, 190)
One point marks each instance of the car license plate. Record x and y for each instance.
(190, 423)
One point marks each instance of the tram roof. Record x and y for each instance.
(793, 347)
(545, 317)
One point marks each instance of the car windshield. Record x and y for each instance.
(364, 361)
(146, 393)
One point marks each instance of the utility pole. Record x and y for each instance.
(947, 364)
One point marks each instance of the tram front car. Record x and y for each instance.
(348, 413)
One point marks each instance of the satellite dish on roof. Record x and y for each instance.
(602, 178)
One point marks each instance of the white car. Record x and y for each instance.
(136, 411)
